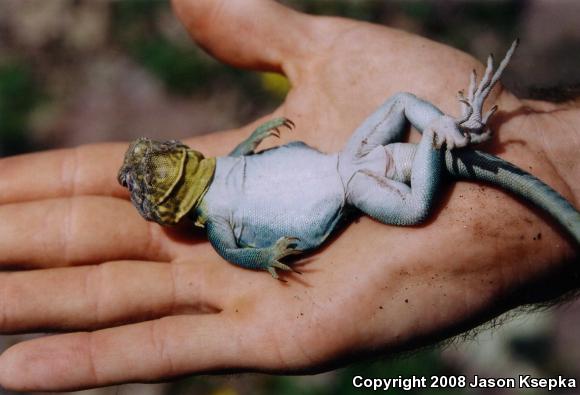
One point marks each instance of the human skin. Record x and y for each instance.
(145, 303)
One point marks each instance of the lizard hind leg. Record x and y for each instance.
(388, 123)
(384, 125)
(387, 197)
(473, 121)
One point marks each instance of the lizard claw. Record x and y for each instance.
(285, 246)
(273, 127)
(281, 266)
(473, 122)
(467, 109)
(275, 275)
(270, 128)
(488, 114)
(288, 123)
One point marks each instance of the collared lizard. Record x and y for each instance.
(260, 207)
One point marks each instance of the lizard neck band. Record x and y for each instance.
(167, 180)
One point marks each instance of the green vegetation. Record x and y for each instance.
(18, 97)
(183, 69)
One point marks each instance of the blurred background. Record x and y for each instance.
(82, 71)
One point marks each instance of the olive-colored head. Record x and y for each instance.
(166, 179)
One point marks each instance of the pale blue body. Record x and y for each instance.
(293, 190)
(261, 207)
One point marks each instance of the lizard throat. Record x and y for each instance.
(167, 180)
(186, 195)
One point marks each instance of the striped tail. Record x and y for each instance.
(477, 165)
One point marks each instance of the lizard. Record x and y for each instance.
(255, 214)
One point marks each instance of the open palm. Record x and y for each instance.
(145, 303)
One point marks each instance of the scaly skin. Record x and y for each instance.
(126, 291)
(263, 206)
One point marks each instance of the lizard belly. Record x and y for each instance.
(293, 190)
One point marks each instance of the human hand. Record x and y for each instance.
(144, 303)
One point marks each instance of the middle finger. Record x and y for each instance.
(75, 231)
(97, 296)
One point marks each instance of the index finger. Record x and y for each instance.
(85, 170)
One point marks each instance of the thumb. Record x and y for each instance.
(256, 34)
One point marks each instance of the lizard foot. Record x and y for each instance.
(445, 131)
(272, 128)
(473, 122)
(285, 246)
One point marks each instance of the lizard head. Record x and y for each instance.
(166, 179)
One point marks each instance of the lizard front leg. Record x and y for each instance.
(222, 238)
(270, 128)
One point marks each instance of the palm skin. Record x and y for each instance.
(145, 303)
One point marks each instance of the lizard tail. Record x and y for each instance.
(481, 166)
